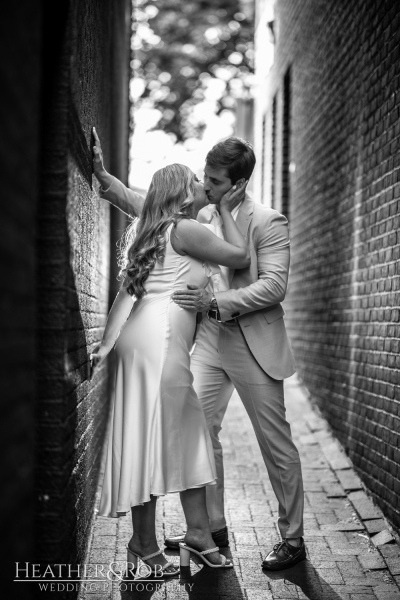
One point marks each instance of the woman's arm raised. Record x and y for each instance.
(201, 243)
(190, 237)
(113, 190)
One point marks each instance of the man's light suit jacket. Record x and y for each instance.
(256, 291)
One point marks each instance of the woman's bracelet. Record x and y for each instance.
(103, 191)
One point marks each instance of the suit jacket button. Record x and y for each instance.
(236, 314)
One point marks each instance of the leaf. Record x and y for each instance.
(191, 41)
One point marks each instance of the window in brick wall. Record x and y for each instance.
(273, 154)
(286, 142)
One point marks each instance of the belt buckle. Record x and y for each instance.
(209, 316)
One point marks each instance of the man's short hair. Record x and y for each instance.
(235, 155)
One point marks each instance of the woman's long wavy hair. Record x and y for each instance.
(169, 199)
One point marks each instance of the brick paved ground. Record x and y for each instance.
(351, 553)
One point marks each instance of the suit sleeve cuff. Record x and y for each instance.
(224, 310)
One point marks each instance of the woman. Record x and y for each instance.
(159, 442)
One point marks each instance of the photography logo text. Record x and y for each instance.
(92, 577)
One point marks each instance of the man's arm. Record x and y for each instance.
(273, 255)
(112, 189)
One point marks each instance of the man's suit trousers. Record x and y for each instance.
(221, 360)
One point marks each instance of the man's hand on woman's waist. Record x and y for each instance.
(194, 298)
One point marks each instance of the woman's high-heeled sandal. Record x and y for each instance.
(185, 557)
(133, 559)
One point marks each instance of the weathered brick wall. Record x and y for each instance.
(85, 79)
(20, 27)
(64, 68)
(343, 301)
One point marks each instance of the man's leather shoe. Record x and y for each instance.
(220, 538)
(284, 555)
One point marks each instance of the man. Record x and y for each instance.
(243, 342)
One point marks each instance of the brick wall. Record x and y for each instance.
(343, 300)
(86, 70)
(65, 68)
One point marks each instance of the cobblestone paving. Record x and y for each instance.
(352, 554)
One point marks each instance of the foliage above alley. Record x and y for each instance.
(188, 55)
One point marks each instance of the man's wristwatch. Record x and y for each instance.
(214, 308)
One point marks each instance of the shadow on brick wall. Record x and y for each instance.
(73, 268)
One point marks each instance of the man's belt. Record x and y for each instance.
(213, 314)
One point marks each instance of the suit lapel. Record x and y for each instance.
(243, 220)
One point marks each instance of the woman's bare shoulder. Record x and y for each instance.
(188, 227)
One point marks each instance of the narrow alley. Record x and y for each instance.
(351, 553)
(283, 115)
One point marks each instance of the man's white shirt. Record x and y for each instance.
(220, 280)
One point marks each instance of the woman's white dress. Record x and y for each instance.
(159, 441)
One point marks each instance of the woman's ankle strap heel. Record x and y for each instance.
(184, 557)
(155, 571)
(132, 558)
(185, 551)
(131, 563)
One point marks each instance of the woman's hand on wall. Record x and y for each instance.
(97, 357)
(119, 313)
(104, 178)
